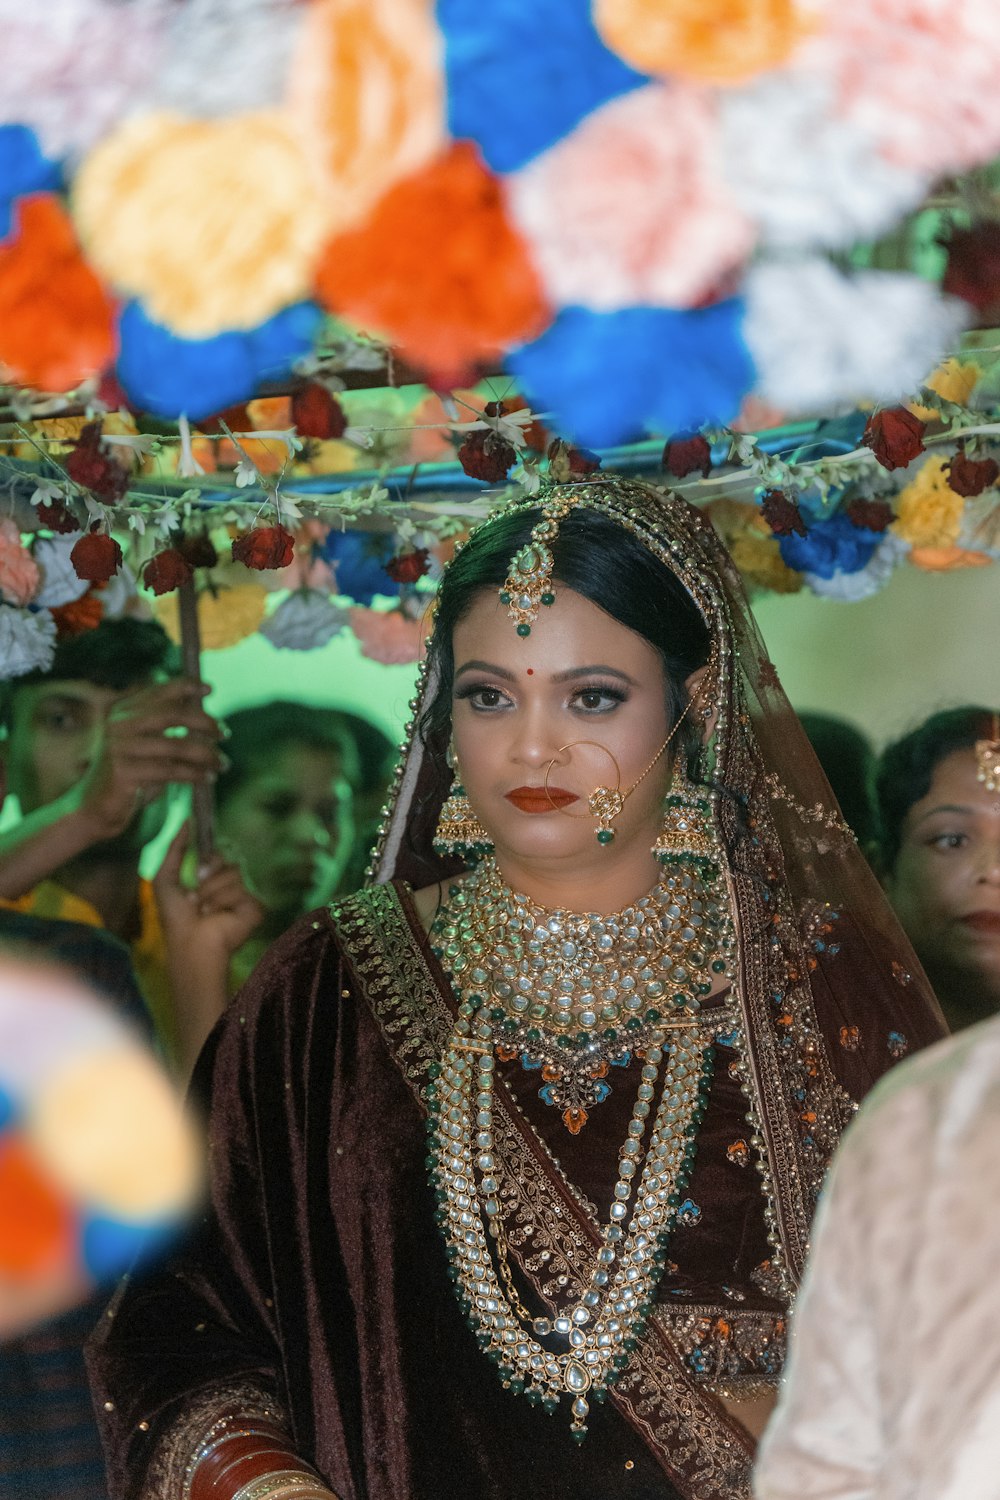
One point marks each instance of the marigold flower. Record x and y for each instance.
(928, 511)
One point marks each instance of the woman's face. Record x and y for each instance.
(945, 886)
(525, 706)
(288, 826)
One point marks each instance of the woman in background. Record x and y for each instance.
(283, 813)
(939, 844)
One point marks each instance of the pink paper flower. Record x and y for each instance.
(19, 573)
(389, 636)
(632, 208)
(918, 75)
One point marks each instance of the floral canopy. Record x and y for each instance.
(285, 282)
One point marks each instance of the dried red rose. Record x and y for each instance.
(970, 476)
(873, 515)
(317, 414)
(973, 269)
(895, 436)
(79, 616)
(197, 550)
(781, 514)
(409, 566)
(236, 418)
(686, 455)
(486, 455)
(88, 465)
(567, 462)
(167, 571)
(55, 517)
(96, 557)
(265, 547)
(582, 461)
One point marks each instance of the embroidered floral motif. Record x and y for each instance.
(850, 1038)
(689, 1213)
(738, 1153)
(898, 1044)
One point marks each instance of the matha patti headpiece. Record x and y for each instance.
(528, 585)
(988, 759)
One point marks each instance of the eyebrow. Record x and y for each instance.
(568, 676)
(945, 807)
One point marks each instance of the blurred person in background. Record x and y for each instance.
(284, 812)
(848, 760)
(377, 756)
(91, 748)
(939, 855)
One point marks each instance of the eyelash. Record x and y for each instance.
(471, 690)
(938, 841)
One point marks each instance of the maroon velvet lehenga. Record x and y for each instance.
(316, 1286)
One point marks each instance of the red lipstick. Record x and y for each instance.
(983, 921)
(536, 799)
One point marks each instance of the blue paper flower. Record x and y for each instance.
(519, 80)
(167, 375)
(24, 168)
(8, 1109)
(610, 377)
(360, 558)
(832, 546)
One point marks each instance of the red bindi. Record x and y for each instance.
(531, 671)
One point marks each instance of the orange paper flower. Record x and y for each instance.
(438, 268)
(718, 41)
(56, 320)
(947, 559)
(369, 96)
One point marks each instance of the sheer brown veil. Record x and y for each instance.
(830, 990)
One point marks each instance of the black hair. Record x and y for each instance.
(257, 734)
(595, 556)
(848, 761)
(117, 654)
(906, 768)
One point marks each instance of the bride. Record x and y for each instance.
(514, 1154)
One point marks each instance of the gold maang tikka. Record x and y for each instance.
(988, 759)
(528, 585)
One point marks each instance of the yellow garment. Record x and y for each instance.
(149, 950)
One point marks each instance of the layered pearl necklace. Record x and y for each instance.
(492, 939)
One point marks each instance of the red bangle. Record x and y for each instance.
(237, 1449)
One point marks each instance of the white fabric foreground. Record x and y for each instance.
(892, 1390)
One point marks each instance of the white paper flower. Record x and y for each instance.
(848, 588)
(27, 641)
(820, 338)
(222, 56)
(802, 174)
(305, 620)
(60, 582)
(73, 68)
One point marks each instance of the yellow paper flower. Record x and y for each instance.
(225, 618)
(928, 511)
(368, 96)
(954, 380)
(215, 224)
(760, 561)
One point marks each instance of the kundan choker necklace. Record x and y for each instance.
(579, 992)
